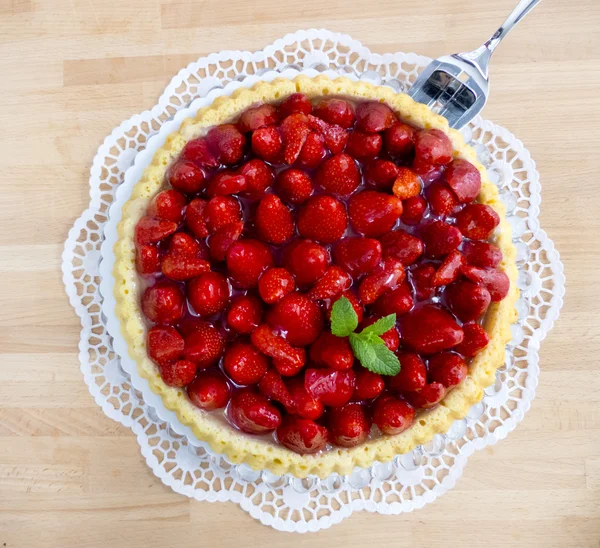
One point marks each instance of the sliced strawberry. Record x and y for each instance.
(323, 218)
(412, 376)
(331, 351)
(179, 373)
(246, 261)
(257, 117)
(168, 205)
(267, 144)
(413, 210)
(163, 303)
(209, 293)
(147, 259)
(442, 200)
(372, 117)
(302, 435)
(433, 146)
(493, 279)
(482, 254)
(429, 329)
(477, 221)
(313, 152)
(186, 177)
(225, 183)
(274, 223)
(221, 211)
(220, 242)
(392, 416)
(407, 184)
(306, 260)
(244, 364)
(294, 185)
(269, 343)
(181, 267)
(252, 412)
(244, 314)
(227, 143)
(399, 140)
(440, 238)
(198, 152)
(338, 175)
(272, 386)
(381, 174)
(335, 111)
(294, 132)
(195, 219)
(335, 136)
(398, 301)
(209, 390)
(373, 213)
(150, 230)
(449, 270)
(333, 388)
(275, 284)
(385, 277)
(259, 177)
(402, 246)
(165, 344)
(464, 179)
(295, 103)
(476, 339)
(364, 146)
(349, 425)
(182, 243)
(357, 255)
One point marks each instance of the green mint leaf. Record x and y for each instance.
(373, 354)
(343, 318)
(381, 325)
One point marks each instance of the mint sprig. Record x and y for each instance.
(368, 347)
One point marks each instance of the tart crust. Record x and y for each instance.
(263, 452)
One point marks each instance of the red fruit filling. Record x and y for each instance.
(266, 222)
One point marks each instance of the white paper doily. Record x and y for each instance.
(284, 502)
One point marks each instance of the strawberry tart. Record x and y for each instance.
(315, 274)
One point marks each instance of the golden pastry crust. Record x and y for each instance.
(264, 453)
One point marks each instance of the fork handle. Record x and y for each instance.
(481, 56)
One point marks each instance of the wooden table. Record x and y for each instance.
(71, 70)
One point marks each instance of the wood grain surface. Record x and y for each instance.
(71, 70)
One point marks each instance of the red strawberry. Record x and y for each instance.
(168, 205)
(392, 416)
(244, 314)
(306, 260)
(272, 386)
(295, 103)
(440, 238)
(398, 301)
(449, 270)
(220, 242)
(428, 172)
(147, 259)
(358, 307)
(209, 293)
(477, 221)
(275, 284)
(294, 185)
(433, 146)
(494, 280)
(413, 210)
(252, 413)
(150, 230)
(227, 143)
(179, 373)
(184, 244)
(225, 183)
(386, 276)
(313, 152)
(209, 390)
(390, 337)
(186, 177)
(399, 140)
(482, 254)
(369, 385)
(244, 364)
(323, 218)
(357, 256)
(349, 425)
(407, 184)
(338, 175)
(257, 117)
(402, 246)
(476, 339)
(204, 346)
(163, 303)
(298, 318)
(335, 136)
(429, 329)
(422, 280)
(165, 344)
(302, 435)
(364, 146)
(428, 397)
(381, 174)
(181, 267)
(373, 213)
(246, 261)
(442, 200)
(335, 111)
(331, 387)
(331, 351)
(198, 152)
(288, 359)
(372, 117)
(294, 132)
(259, 177)
(412, 376)
(267, 144)
(303, 404)
(221, 211)
(333, 283)
(464, 179)
(274, 223)
(195, 220)
(447, 368)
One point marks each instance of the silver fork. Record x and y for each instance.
(457, 86)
